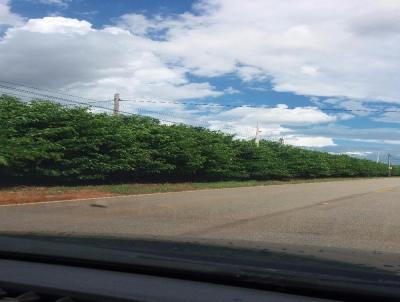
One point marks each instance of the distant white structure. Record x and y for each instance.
(258, 131)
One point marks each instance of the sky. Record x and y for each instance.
(278, 63)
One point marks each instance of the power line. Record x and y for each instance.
(45, 96)
(90, 100)
(63, 99)
(48, 90)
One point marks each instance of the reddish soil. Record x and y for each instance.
(40, 195)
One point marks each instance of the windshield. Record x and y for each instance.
(259, 125)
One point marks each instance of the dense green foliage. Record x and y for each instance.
(47, 142)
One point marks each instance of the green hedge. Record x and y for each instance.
(47, 142)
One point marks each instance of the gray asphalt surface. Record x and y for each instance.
(356, 214)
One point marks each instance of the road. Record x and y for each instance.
(358, 214)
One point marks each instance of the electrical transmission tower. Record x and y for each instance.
(389, 164)
(116, 103)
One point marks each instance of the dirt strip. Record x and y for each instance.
(29, 195)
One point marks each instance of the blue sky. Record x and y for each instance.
(289, 61)
(99, 12)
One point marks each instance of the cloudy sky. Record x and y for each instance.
(280, 63)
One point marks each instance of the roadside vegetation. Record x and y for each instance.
(33, 194)
(47, 143)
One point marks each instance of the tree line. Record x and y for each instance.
(45, 142)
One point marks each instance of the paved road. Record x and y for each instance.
(360, 214)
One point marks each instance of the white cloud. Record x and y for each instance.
(358, 153)
(7, 18)
(135, 23)
(231, 90)
(309, 141)
(309, 70)
(277, 115)
(377, 138)
(58, 25)
(328, 48)
(64, 53)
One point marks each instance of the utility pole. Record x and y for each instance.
(377, 157)
(116, 103)
(257, 140)
(389, 165)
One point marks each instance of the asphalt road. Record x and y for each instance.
(356, 214)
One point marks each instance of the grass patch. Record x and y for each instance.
(125, 189)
